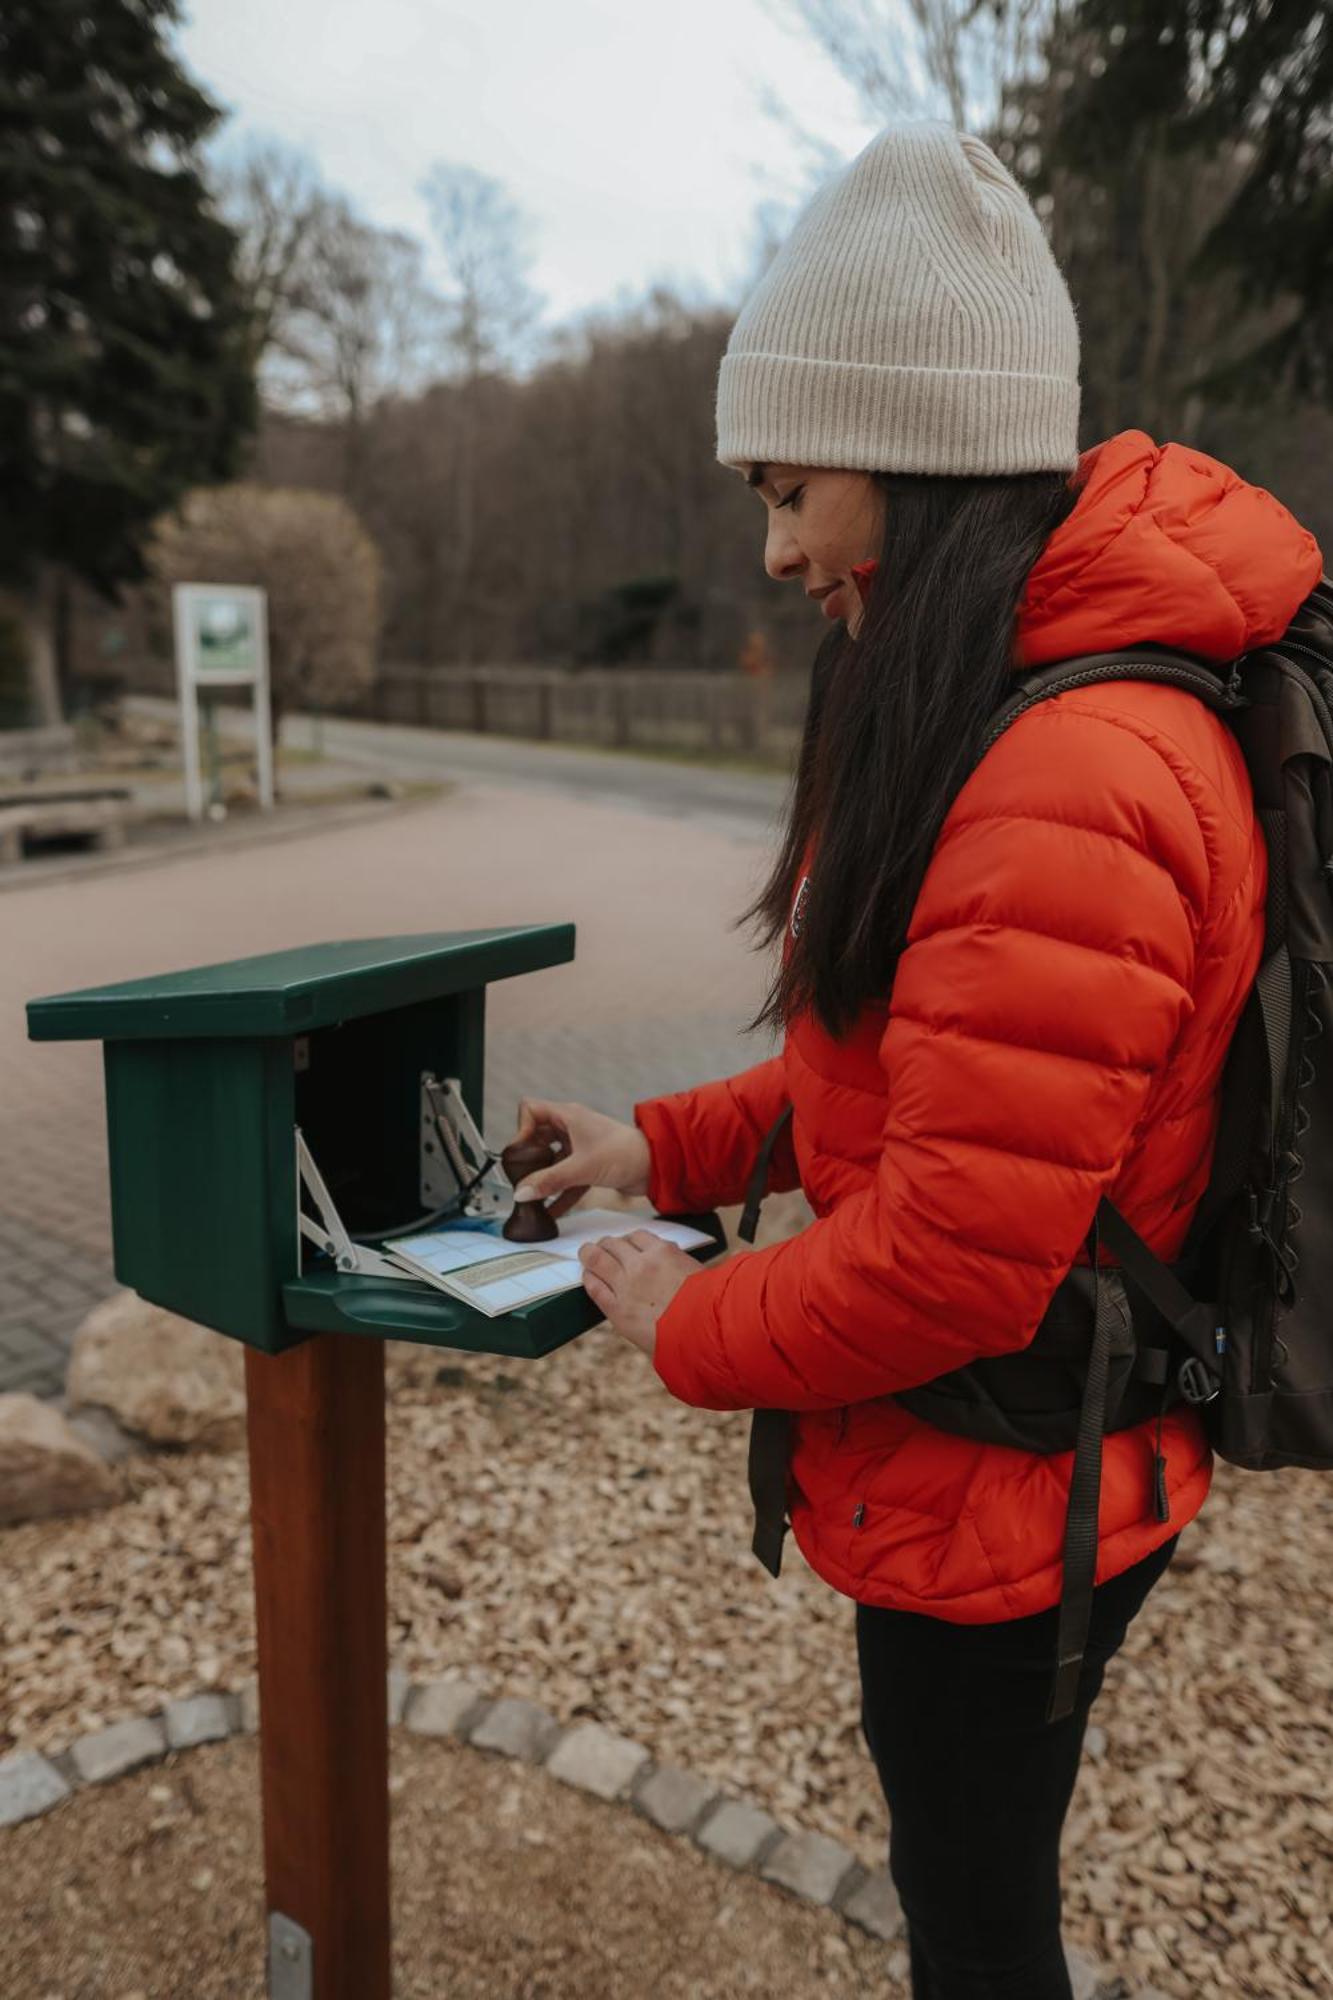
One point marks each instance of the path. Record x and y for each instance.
(654, 1000)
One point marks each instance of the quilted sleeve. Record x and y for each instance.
(1046, 976)
(703, 1142)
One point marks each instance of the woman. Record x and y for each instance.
(1005, 991)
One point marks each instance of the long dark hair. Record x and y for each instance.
(894, 723)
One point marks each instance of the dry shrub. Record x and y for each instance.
(316, 562)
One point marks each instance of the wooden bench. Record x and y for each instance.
(26, 754)
(100, 820)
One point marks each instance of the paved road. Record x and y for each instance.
(655, 999)
(729, 800)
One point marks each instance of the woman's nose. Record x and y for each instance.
(782, 554)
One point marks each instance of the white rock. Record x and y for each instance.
(597, 1760)
(810, 1865)
(28, 1785)
(875, 1906)
(99, 1429)
(123, 1747)
(399, 1688)
(1086, 1976)
(738, 1832)
(162, 1377)
(45, 1467)
(516, 1728)
(197, 1718)
(674, 1800)
(444, 1708)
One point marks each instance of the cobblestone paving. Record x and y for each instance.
(45, 1289)
(655, 999)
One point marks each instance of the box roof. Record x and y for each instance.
(289, 992)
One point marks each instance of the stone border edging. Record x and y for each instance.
(594, 1759)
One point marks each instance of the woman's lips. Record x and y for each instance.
(829, 605)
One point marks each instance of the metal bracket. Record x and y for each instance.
(330, 1232)
(291, 1959)
(453, 1153)
(453, 1157)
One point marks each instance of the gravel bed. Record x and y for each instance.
(506, 1886)
(564, 1531)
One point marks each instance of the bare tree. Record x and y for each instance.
(483, 241)
(272, 196)
(926, 58)
(342, 312)
(482, 238)
(902, 59)
(368, 326)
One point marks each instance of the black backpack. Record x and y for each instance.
(1241, 1324)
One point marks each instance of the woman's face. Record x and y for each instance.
(820, 522)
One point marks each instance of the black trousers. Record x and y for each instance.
(978, 1784)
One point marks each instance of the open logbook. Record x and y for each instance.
(458, 1244)
(476, 1264)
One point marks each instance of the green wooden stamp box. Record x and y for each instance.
(210, 1071)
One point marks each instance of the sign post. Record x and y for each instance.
(222, 642)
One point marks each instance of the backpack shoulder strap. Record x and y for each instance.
(770, 1430)
(754, 1192)
(1220, 686)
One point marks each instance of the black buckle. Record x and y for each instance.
(1260, 1209)
(1197, 1383)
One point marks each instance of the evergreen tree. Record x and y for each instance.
(1224, 107)
(125, 357)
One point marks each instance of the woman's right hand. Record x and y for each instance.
(597, 1151)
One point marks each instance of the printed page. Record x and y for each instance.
(476, 1264)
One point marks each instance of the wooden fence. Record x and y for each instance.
(625, 708)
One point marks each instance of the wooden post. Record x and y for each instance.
(713, 700)
(315, 1419)
(621, 717)
(757, 694)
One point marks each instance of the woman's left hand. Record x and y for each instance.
(632, 1280)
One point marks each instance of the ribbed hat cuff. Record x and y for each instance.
(790, 410)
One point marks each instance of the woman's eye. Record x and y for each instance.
(793, 498)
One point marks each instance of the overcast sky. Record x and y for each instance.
(630, 131)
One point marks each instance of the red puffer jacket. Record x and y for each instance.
(1090, 920)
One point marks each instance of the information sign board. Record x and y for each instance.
(221, 642)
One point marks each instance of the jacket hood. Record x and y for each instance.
(1165, 546)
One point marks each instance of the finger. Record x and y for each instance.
(620, 1250)
(530, 1114)
(644, 1239)
(538, 1119)
(548, 1181)
(555, 1179)
(601, 1294)
(594, 1258)
(565, 1201)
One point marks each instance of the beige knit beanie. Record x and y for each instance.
(913, 321)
